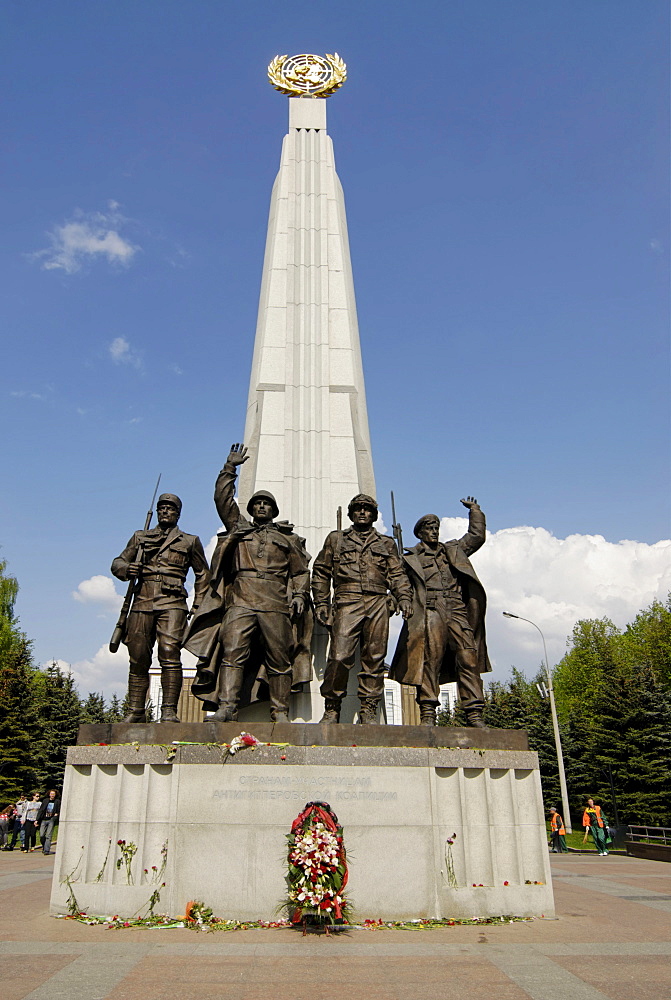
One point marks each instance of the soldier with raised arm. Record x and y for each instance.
(159, 610)
(362, 566)
(260, 581)
(445, 638)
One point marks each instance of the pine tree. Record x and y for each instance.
(18, 722)
(116, 711)
(632, 735)
(59, 710)
(93, 709)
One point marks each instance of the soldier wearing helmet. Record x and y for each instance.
(159, 607)
(260, 582)
(362, 567)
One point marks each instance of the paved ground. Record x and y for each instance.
(612, 940)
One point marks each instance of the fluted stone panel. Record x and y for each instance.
(224, 820)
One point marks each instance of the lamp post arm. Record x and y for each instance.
(555, 726)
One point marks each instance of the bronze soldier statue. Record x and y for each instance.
(363, 566)
(445, 638)
(260, 581)
(159, 605)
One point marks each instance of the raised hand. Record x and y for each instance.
(237, 455)
(469, 502)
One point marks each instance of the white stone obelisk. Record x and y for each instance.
(307, 425)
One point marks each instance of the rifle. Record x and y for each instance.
(339, 518)
(396, 527)
(133, 586)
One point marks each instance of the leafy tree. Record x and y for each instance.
(613, 697)
(577, 677)
(648, 640)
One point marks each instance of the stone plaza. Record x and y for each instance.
(611, 940)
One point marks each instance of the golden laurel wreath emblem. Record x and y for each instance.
(307, 75)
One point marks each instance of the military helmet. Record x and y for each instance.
(422, 521)
(362, 499)
(170, 498)
(263, 495)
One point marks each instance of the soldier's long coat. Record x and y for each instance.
(408, 662)
(202, 635)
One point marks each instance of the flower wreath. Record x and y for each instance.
(317, 867)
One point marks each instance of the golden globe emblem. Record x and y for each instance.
(307, 75)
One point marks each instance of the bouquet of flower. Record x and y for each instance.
(317, 867)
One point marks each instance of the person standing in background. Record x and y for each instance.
(46, 817)
(558, 832)
(30, 825)
(18, 829)
(595, 823)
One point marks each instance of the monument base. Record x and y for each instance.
(430, 832)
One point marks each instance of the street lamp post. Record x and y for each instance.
(555, 724)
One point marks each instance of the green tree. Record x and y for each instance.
(93, 709)
(632, 736)
(18, 720)
(116, 711)
(59, 710)
(648, 640)
(577, 677)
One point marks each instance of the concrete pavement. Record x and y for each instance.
(612, 940)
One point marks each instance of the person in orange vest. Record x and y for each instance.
(595, 823)
(558, 832)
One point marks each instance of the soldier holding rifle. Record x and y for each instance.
(158, 561)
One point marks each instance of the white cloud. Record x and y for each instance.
(98, 590)
(555, 582)
(122, 353)
(87, 236)
(105, 672)
(25, 394)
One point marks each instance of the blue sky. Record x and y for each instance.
(506, 176)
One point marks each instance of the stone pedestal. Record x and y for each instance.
(223, 820)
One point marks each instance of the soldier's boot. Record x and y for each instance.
(331, 711)
(474, 718)
(171, 684)
(228, 693)
(280, 691)
(427, 714)
(368, 712)
(138, 685)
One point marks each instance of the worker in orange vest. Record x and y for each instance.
(595, 823)
(558, 832)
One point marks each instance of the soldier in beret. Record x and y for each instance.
(159, 607)
(445, 638)
(362, 566)
(260, 582)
